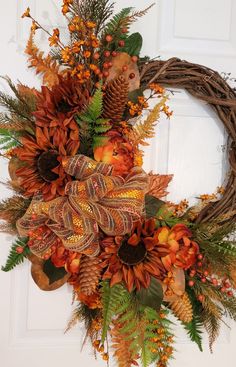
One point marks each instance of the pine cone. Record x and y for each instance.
(182, 308)
(115, 99)
(89, 274)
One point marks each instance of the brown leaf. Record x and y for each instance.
(118, 63)
(41, 279)
(158, 185)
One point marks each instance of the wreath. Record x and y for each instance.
(85, 212)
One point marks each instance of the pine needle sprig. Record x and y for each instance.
(13, 208)
(82, 313)
(15, 256)
(96, 11)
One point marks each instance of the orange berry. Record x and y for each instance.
(191, 283)
(121, 43)
(96, 56)
(106, 74)
(200, 298)
(19, 250)
(106, 65)
(107, 53)
(114, 53)
(125, 68)
(132, 76)
(109, 38)
(134, 58)
(124, 30)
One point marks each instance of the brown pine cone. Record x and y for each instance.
(89, 274)
(182, 308)
(115, 99)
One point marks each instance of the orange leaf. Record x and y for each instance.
(158, 185)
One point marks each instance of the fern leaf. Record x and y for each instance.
(111, 300)
(46, 66)
(118, 21)
(95, 107)
(146, 129)
(14, 257)
(9, 139)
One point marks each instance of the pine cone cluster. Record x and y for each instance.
(115, 99)
(182, 308)
(89, 274)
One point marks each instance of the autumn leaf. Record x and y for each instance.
(158, 185)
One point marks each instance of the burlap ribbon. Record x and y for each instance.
(95, 200)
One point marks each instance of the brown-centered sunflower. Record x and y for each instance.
(135, 258)
(57, 106)
(41, 171)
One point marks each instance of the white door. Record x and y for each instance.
(191, 146)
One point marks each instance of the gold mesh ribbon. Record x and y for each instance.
(95, 200)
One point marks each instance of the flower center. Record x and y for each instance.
(46, 162)
(132, 255)
(63, 106)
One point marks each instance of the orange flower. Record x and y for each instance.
(65, 9)
(136, 258)
(54, 39)
(41, 156)
(26, 14)
(34, 27)
(90, 24)
(63, 257)
(56, 107)
(87, 54)
(66, 54)
(183, 250)
(118, 152)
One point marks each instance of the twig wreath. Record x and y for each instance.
(207, 85)
(86, 213)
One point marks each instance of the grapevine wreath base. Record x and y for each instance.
(85, 212)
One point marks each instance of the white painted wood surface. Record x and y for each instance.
(190, 145)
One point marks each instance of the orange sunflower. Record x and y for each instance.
(134, 259)
(57, 106)
(41, 170)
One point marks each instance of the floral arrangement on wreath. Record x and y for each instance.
(86, 213)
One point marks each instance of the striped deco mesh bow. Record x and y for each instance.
(94, 200)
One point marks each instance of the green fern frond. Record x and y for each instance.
(14, 257)
(117, 22)
(95, 107)
(9, 139)
(112, 299)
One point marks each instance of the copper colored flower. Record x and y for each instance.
(134, 259)
(57, 106)
(41, 170)
(117, 151)
(183, 250)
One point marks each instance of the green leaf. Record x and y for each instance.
(133, 44)
(112, 299)
(116, 22)
(52, 272)
(14, 258)
(152, 205)
(94, 109)
(152, 296)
